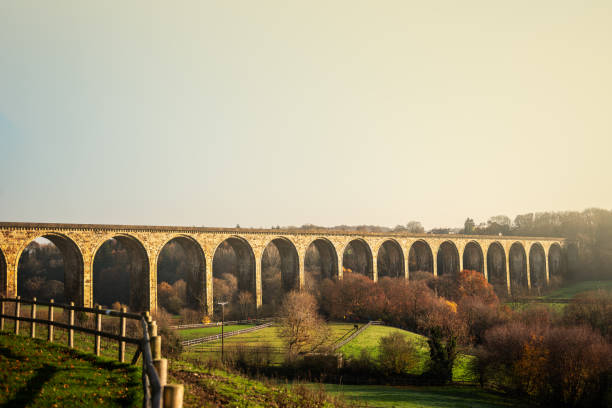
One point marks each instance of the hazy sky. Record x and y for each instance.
(327, 112)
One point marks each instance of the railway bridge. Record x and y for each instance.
(514, 262)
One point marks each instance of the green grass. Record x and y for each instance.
(188, 334)
(421, 397)
(214, 387)
(266, 336)
(570, 291)
(35, 373)
(370, 337)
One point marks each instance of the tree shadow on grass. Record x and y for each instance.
(30, 391)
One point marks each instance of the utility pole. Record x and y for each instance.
(222, 324)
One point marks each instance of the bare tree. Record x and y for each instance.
(301, 327)
(245, 300)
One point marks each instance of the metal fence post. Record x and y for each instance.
(71, 324)
(17, 312)
(51, 327)
(33, 316)
(122, 334)
(98, 329)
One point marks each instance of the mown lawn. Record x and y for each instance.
(188, 334)
(370, 337)
(421, 397)
(35, 373)
(266, 336)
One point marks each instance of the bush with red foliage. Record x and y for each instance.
(562, 366)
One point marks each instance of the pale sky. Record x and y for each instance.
(261, 113)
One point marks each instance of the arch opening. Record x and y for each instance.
(279, 272)
(234, 277)
(181, 276)
(121, 274)
(448, 259)
(473, 258)
(420, 260)
(496, 268)
(357, 258)
(537, 267)
(51, 267)
(518, 269)
(3, 276)
(390, 260)
(556, 266)
(320, 263)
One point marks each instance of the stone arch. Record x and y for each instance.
(73, 265)
(390, 260)
(128, 272)
(496, 267)
(448, 259)
(420, 258)
(243, 268)
(320, 263)
(473, 257)
(518, 268)
(191, 268)
(537, 266)
(280, 270)
(3, 275)
(555, 261)
(357, 257)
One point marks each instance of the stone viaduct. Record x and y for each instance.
(504, 260)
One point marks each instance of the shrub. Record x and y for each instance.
(397, 354)
(442, 354)
(593, 308)
(559, 366)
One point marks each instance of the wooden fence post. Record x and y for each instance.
(51, 327)
(156, 347)
(161, 366)
(98, 330)
(33, 316)
(173, 396)
(17, 312)
(71, 324)
(1, 312)
(122, 334)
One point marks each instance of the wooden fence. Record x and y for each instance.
(214, 337)
(216, 324)
(148, 344)
(355, 334)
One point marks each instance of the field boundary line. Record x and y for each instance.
(357, 333)
(214, 337)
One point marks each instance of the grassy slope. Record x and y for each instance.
(188, 334)
(213, 387)
(267, 336)
(36, 373)
(369, 338)
(571, 291)
(421, 397)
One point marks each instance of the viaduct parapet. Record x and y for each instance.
(504, 260)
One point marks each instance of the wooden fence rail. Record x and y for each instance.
(154, 367)
(214, 337)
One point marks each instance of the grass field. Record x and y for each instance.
(421, 397)
(188, 334)
(571, 291)
(35, 373)
(266, 336)
(213, 387)
(370, 337)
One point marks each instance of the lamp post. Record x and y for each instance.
(222, 324)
